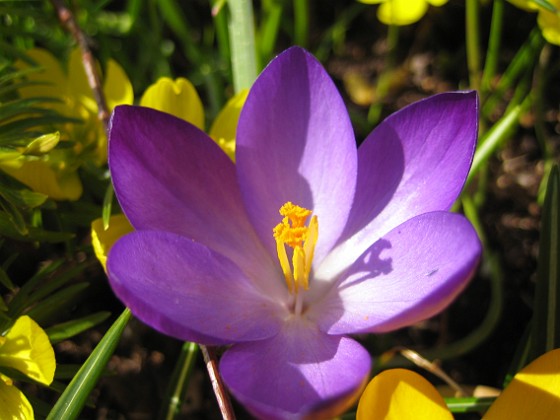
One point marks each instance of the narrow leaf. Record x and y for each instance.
(73, 399)
(545, 334)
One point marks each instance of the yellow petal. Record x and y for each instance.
(437, 3)
(15, 405)
(534, 393)
(28, 349)
(400, 394)
(549, 23)
(117, 86)
(401, 12)
(41, 177)
(225, 125)
(102, 240)
(52, 77)
(177, 97)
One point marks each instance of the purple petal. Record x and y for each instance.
(411, 274)
(299, 372)
(414, 162)
(295, 143)
(188, 291)
(170, 176)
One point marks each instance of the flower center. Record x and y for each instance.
(293, 232)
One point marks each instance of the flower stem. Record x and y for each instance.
(224, 403)
(492, 55)
(473, 42)
(242, 41)
(179, 380)
(68, 21)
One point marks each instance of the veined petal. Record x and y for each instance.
(298, 373)
(27, 348)
(170, 176)
(15, 405)
(295, 143)
(188, 291)
(103, 239)
(400, 394)
(414, 162)
(176, 97)
(534, 392)
(412, 273)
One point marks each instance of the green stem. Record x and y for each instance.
(242, 41)
(179, 380)
(301, 22)
(473, 42)
(492, 56)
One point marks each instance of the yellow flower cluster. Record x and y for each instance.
(54, 173)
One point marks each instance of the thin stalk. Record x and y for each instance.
(492, 56)
(179, 380)
(473, 43)
(68, 21)
(242, 41)
(209, 354)
(301, 22)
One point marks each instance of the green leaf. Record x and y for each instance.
(54, 305)
(545, 333)
(74, 397)
(69, 329)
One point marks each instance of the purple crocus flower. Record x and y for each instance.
(363, 242)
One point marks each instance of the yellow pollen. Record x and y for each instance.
(293, 232)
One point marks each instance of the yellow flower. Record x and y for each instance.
(549, 21)
(54, 173)
(402, 12)
(177, 97)
(27, 349)
(534, 393)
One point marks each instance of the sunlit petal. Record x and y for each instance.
(103, 239)
(400, 394)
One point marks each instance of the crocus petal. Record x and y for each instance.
(15, 405)
(224, 128)
(27, 348)
(414, 162)
(401, 12)
(295, 143)
(103, 239)
(411, 274)
(170, 176)
(534, 392)
(186, 290)
(299, 372)
(176, 97)
(397, 394)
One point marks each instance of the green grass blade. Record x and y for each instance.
(545, 334)
(74, 397)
